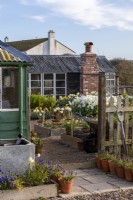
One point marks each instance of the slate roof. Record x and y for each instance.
(10, 54)
(24, 45)
(64, 64)
(105, 65)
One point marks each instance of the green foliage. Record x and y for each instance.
(68, 176)
(42, 101)
(37, 141)
(38, 175)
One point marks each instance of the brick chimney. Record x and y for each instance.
(89, 70)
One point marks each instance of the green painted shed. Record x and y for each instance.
(13, 92)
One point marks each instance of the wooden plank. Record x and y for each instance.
(126, 120)
(101, 111)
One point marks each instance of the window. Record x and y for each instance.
(35, 83)
(9, 88)
(110, 83)
(48, 84)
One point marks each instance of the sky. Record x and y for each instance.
(106, 23)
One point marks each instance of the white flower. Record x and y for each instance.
(38, 155)
(31, 160)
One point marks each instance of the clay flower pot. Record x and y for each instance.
(128, 174)
(98, 162)
(112, 167)
(105, 165)
(120, 171)
(66, 186)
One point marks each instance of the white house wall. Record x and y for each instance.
(61, 49)
(41, 49)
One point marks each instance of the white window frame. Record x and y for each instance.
(108, 91)
(54, 83)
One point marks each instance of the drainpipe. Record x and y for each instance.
(21, 99)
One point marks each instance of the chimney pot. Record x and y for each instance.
(6, 39)
(88, 47)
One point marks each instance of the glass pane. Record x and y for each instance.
(112, 83)
(35, 90)
(35, 83)
(60, 76)
(10, 88)
(107, 83)
(48, 91)
(111, 75)
(60, 91)
(60, 83)
(48, 76)
(35, 76)
(112, 90)
(48, 83)
(107, 76)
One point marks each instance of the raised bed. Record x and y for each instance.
(15, 158)
(28, 193)
(44, 132)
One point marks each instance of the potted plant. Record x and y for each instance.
(66, 182)
(112, 164)
(105, 157)
(128, 167)
(38, 144)
(120, 168)
(98, 160)
(55, 172)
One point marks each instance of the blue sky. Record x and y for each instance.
(106, 23)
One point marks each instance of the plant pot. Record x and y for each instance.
(129, 175)
(56, 120)
(81, 146)
(66, 186)
(112, 167)
(38, 149)
(98, 162)
(105, 165)
(120, 172)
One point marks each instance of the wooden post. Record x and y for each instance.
(101, 111)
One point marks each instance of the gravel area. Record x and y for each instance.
(117, 195)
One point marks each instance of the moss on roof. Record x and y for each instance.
(25, 45)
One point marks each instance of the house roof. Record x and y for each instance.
(24, 45)
(105, 65)
(55, 64)
(10, 54)
(64, 64)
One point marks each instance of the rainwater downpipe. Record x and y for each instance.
(21, 99)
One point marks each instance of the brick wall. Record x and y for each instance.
(89, 71)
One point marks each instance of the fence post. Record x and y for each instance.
(101, 111)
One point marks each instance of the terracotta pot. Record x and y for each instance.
(105, 165)
(66, 186)
(56, 120)
(112, 167)
(38, 149)
(128, 174)
(120, 172)
(98, 162)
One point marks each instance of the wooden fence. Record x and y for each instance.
(120, 121)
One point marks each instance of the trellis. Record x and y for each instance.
(113, 138)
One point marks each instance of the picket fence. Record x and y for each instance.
(123, 123)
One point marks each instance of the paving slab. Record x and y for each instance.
(122, 184)
(98, 188)
(80, 181)
(99, 178)
(77, 191)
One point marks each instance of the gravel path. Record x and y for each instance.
(117, 195)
